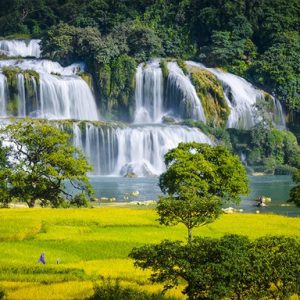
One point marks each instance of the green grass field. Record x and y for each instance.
(94, 244)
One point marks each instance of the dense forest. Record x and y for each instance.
(258, 40)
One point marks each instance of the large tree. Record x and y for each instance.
(42, 161)
(198, 180)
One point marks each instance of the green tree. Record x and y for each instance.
(276, 261)
(5, 172)
(42, 162)
(295, 191)
(232, 267)
(199, 178)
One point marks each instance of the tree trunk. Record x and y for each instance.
(31, 203)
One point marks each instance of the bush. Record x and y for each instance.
(284, 170)
(232, 267)
(80, 200)
(2, 294)
(109, 291)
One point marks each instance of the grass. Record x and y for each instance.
(94, 243)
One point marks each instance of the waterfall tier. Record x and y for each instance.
(137, 150)
(149, 93)
(50, 92)
(181, 95)
(242, 97)
(156, 97)
(23, 48)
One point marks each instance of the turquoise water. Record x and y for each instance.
(276, 187)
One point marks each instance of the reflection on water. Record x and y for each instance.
(276, 187)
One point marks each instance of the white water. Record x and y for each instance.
(182, 97)
(28, 48)
(241, 97)
(149, 93)
(138, 149)
(3, 95)
(22, 98)
(62, 94)
(278, 116)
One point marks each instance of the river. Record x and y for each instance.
(276, 187)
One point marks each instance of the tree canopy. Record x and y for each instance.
(40, 161)
(232, 267)
(199, 178)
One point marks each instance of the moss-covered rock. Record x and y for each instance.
(13, 98)
(181, 63)
(164, 68)
(116, 86)
(31, 80)
(210, 92)
(87, 78)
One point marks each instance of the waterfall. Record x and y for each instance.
(136, 149)
(65, 98)
(23, 48)
(241, 97)
(278, 116)
(182, 97)
(179, 100)
(3, 95)
(21, 95)
(61, 94)
(149, 93)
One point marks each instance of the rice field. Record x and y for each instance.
(91, 244)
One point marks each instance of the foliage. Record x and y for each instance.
(2, 293)
(80, 200)
(109, 291)
(295, 191)
(267, 146)
(5, 173)
(279, 68)
(231, 267)
(199, 178)
(42, 161)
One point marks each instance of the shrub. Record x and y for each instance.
(2, 294)
(109, 291)
(80, 200)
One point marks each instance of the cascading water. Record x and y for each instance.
(241, 97)
(29, 48)
(149, 93)
(182, 97)
(278, 116)
(3, 95)
(138, 149)
(21, 92)
(62, 94)
(55, 92)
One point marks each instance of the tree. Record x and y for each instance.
(199, 178)
(232, 267)
(42, 162)
(295, 191)
(276, 261)
(5, 172)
